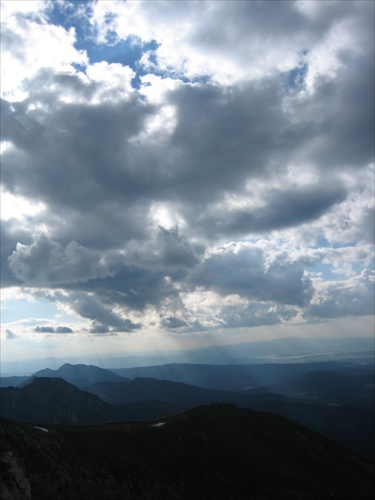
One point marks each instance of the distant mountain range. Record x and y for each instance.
(290, 379)
(234, 422)
(337, 401)
(55, 401)
(328, 382)
(80, 375)
(209, 452)
(281, 350)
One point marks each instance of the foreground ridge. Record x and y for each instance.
(212, 451)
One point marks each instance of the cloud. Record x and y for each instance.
(28, 41)
(282, 208)
(355, 297)
(171, 322)
(227, 41)
(248, 139)
(11, 233)
(63, 329)
(45, 262)
(104, 319)
(255, 314)
(9, 334)
(44, 329)
(223, 177)
(241, 270)
(51, 329)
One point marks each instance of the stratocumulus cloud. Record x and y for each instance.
(51, 329)
(215, 174)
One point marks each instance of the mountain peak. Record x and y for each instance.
(80, 375)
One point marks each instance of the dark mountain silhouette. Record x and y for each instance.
(55, 401)
(209, 452)
(341, 387)
(219, 377)
(13, 381)
(252, 378)
(80, 375)
(141, 389)
(348, 425)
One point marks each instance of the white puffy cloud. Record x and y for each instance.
(30, 44)
(231, 41)
(353, 297)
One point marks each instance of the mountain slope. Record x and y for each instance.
(348, 425)
(215, 451)
(233, 377)
(143, 389)
(340, 387)
(80, 375)
(55, 401)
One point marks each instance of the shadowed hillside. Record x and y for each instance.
(55, 401)
(141, 389)
(215, 451)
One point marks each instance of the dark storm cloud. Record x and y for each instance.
(85, 150)
(175, 250)
(283, 208)
(166, 251)
(223, 136)
(132, 286)
(243, 273)
(338, 118)
(103, 318)
(77, 164)
(99, 184)
(76, 155)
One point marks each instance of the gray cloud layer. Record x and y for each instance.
(135, 217)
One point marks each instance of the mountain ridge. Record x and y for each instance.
(212, 451)
(80, 375)
(56, 401)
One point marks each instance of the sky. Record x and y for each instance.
(176, 174)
